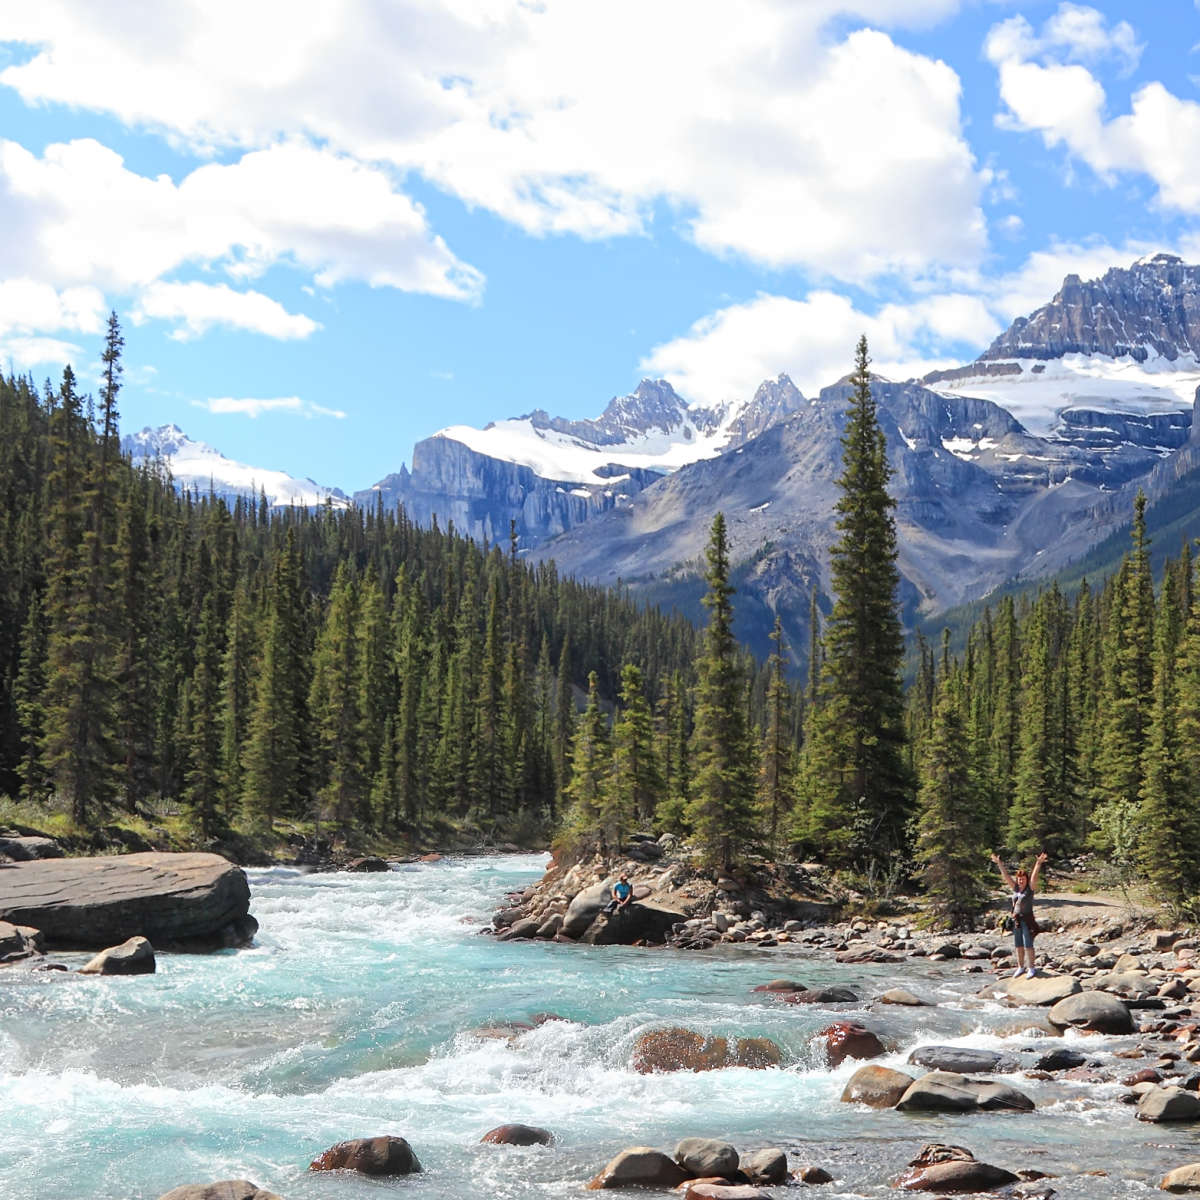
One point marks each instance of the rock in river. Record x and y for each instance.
(1182, 1179)
(1169, 1104)
(941, 1168)
(225, 1189)
(639, 1167)
(703, 1157)
(518, 1135)
(95, 902)
(944, 1091)
(134, 957)
(877, 1087)
(685, 1050)
(386, 1155)
(1041, 989)
(962, 1060)
(849, 1039)
(1097, 1012)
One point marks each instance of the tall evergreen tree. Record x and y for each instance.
(635, 785)
(722, 809)
(776, 792)
(856, 780)
(585, 794)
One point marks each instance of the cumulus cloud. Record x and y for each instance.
(1046, 89)
(21, 353)
(198, 307)
(581, 117)
(29, 305)
(255, 408)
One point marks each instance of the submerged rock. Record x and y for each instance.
(518, 1135)
(962, 1060)
(639, 1166)
(387, 1155)
(679, 1049)
(225, 1189)
(829, 995)
(876, 1087)
(133, 957)
(849, 1039)
(83, 903)
(902, 996)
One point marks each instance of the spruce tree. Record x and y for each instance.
(858, 789)
(635, 785)
(722, 810)
(776, 786)
(585, 794)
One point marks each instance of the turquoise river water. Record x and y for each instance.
(353, 1015)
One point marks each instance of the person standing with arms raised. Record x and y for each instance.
(1024, 925)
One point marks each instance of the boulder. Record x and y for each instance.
(705, 1189)
(526, 927)
(811, 1174)
(636, 922)
(585, 908)
(941, 1168)
(945, 1091)
(764, 1166)
(780, 985)
(133, 957)
(849, 1039)
(225, 1189)
(876, 1087)
(85, 903)
(385, 1155)
(1061, 1059)
(639, 1166)
(369, 862)
(551, 926)
(1182, 1179)
(517, 1135)
(19, 941)
(902, 996)
(962, 1060)
(26, 849)
(1041, 989)
(829, 995)
(685, 1050)
(703, 1157)
(1168, 1104)
(1097, 1012)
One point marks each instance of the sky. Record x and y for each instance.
(330, 230)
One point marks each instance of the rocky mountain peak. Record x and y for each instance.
(652, 405)
(1148, 309)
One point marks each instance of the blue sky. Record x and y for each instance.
(332, 229)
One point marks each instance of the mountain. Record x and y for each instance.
(547, 474)
(195, 466)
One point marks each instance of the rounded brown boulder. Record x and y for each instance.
(640, 1167)
(517, 1135)
(677, 1049)
(224, 1189)
(876, 1087)
(385, 1155)
(849, 1039)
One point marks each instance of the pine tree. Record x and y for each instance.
(203, 777)
(635, 785)
(584, 795)
(856, 779)
(722, 810)
(950, 847)
(776, 796)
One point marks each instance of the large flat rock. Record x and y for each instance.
(84, 903)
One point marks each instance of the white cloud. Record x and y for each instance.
(77, 214)
(25, 352)
(28, 306)
(727, 354)
(255, 408)
(570, 116)
(1064, 102)
(198, 307)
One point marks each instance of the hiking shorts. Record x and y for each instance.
(1022, 938)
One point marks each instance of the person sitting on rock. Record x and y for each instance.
(622, 895)
(1024, 926)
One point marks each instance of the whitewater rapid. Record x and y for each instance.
(364, 1008)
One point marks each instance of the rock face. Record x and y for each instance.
(640, 1166)
(225, 1189)
(94, 902)
(876, 1087)
(1097, 1012)
(1152, 307)
(133, 957)
(637, 922)
(369, 1156)
(684, 1050)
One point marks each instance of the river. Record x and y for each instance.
(355, 1014)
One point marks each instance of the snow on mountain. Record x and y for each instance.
(1040, 393)
(196, 466)
(651, 429)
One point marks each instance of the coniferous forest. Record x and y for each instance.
(344, 671)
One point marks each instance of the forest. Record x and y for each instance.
(239, 668)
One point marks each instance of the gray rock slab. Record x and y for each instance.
(86, 903)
